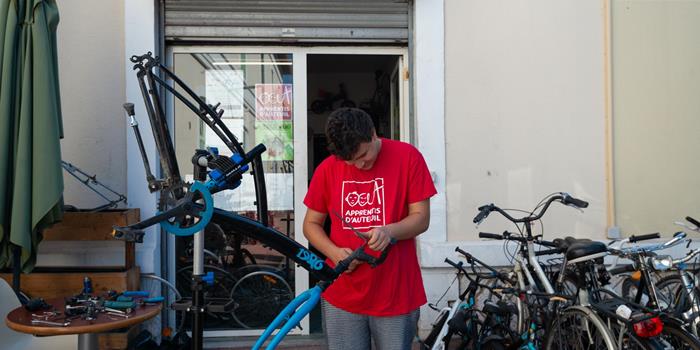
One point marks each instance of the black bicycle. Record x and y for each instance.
(186, 209)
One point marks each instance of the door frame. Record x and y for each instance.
(300, 126)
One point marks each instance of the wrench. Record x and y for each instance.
(49, 323)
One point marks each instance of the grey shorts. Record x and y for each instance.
(346, 330)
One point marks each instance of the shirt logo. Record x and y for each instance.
(363, 203)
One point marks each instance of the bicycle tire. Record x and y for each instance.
(435, 331)
(676, 296)
(258, 298)
(678, 337)
(554, 339)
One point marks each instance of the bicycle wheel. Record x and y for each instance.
(674, 299)
(678, 337)
(435, 331)
(258, 297)
(578, 327)
(626, 340)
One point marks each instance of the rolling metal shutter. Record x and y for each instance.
(382, 21)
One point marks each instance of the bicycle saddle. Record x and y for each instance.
(579, 248)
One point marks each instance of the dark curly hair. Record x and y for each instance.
(346, 129)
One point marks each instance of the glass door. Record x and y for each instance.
(265, 94)
(255, 91)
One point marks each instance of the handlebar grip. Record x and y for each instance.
(129, 108)
(490, 235)
(692, 221)
(483, 213)
(575, 201)
(457, 266)
(634, 238)
(546, 243)
(257, 150)
(466, 254)
(548, 252)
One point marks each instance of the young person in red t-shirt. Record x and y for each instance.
(382, 188)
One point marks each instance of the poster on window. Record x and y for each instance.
(273, 102)
(278, 137)
(225, 86)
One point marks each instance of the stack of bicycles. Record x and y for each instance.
(569, 300)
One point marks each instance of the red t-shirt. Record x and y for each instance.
(373, 198)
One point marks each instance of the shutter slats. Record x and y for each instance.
(307, 20)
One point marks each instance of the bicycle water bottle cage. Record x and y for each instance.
(226, 172)
(189, 217)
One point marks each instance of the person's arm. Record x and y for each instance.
(415, 223)
(313, 231)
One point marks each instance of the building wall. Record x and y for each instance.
(91, 67)
(655, 86)
(91, 56)
(524, 112)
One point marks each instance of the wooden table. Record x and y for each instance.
(20, 320)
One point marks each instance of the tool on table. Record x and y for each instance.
(50, 323)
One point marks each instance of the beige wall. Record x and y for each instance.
(91, 71)
(524, 112)
(656, 86)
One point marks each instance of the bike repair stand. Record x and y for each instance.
(198, 307)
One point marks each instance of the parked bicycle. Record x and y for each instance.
(591, 316)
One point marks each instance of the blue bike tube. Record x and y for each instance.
(305, 302)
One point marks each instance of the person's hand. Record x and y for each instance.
(343, 253)
(378, 238)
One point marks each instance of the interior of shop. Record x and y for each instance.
(335, 81)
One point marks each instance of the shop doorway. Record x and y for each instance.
(368, 82)
(306, 83)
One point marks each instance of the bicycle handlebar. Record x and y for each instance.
(562, 197)
(635, 238)
(490, 235)
(360, 255)
(512, 237)
(692, 254)
(693, 221)
(579, 203)
(549, 252)
(678, 237)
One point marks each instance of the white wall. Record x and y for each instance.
(524, 116)
(90, 38)
(139, 29)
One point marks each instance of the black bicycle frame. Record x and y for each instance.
(150, 83)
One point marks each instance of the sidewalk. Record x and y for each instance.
(296, 342)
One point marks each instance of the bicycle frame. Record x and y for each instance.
(150, 85)
(691, 316)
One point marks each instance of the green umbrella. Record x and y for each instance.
(31, 181)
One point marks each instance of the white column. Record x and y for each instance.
(429, 37)
(139, 38)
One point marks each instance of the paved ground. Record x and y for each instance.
(310, 342)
